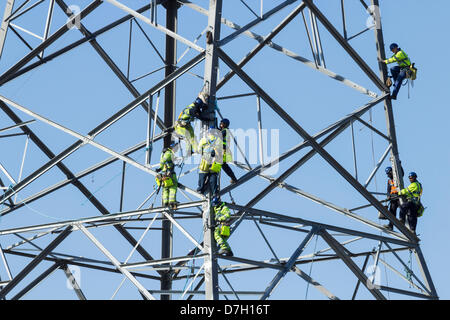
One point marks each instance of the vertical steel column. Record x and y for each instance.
(395, 159)
(5, 24)
(344, 23)
(169, 111)
(48, 23)
(210, 77)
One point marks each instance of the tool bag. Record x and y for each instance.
(419, 206)
(224, 230)
(166, 180)
(158, 179)
(204, 165)
(216, 167)
(411, 72)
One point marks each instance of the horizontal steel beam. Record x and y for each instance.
(72, 262)
(160, 261)
(287, 218)
(105, 218)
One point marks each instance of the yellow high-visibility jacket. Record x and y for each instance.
(414, 190)
(205, 148)
(166, 160)
(401, 58)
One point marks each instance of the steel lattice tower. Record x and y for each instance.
(172, 254)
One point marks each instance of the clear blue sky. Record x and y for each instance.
(79, 91)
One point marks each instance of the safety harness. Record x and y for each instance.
(416, 200)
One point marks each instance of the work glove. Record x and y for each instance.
(158, 169)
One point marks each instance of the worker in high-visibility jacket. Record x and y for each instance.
(222, 230)
(392, 191)
(227, 156)
(211, 150)
(167, 178)
(183, 126)
(410, 208)
(399, 71)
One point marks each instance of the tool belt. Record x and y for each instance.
(165, 179)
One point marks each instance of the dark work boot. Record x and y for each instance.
(229, 253)
(173, 205)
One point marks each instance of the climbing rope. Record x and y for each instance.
(408, 270)
(109, 181)
(21, 201)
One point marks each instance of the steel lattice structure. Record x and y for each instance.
(115, 243)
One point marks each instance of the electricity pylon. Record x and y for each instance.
(172, 254)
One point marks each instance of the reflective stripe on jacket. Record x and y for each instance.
(401, 58)
(414, 190)
(186, 113)
(222, 212)
(392, 189)
(166, 161)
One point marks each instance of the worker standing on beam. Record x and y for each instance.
(222, 230)
(211, 151)
(392, 191)
(183, 125)
(227, 156)
(399, 72)
(412, 208)
(167, 180)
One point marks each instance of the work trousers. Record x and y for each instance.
(228, 171)
(221, 240)
(208, 182)
(409, 210)
(398, 74)
(393, 205)
(169, 194)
